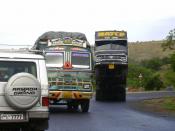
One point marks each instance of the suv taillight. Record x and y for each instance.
(45, 101)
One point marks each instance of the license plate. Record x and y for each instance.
(111, 66)
(62, 102)
(12, 117)
(51, 101)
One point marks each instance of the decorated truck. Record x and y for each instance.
(111, 65)
(69, 67)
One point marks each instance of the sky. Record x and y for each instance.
(23, 21)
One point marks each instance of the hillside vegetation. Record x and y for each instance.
(139, 51)
(156, 66)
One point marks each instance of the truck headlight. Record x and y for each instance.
(86, 86)
(124, 59)
(98, 58)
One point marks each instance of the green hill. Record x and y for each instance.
(146, 50)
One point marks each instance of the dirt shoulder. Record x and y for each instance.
(164, 107)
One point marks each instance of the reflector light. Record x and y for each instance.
(67, 65)
(45, 101)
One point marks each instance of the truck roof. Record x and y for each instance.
(51, 35)
(110, 35)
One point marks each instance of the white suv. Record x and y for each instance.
(23, 92)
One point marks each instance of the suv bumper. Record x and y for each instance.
(38, 115)
(6, 117)
(37, 120)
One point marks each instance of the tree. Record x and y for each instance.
(172, 60)
(133, 75)
(170, 41)
(154, 63)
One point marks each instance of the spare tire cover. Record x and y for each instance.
(22, 91)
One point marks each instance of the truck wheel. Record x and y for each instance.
(75, 107)
(122, 95)
(69, 106)
(99, 91)
(9, 129)
(28, 129)
(85, 105)
(98, 95)
(72, 106)
(124, 76)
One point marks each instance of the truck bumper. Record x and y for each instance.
(56, 95)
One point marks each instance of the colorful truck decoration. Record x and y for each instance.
(69, 66)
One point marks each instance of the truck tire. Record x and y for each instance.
(124, 77)
(99, 91)
(85, 105)
(122, 94)
(29, 129)
(97, 95)
(9, 129)
(22, 91)
(117, 94)
(72, 106)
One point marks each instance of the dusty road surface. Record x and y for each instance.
(112, 116)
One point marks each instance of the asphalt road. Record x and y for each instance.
(111, 116)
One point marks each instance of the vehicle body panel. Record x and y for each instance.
(36, 113)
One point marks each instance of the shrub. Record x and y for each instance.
(154, 83)
(169, 77)
(172, 62)
(133, 75)
(153, 64)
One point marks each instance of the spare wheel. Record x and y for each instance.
(22, 91)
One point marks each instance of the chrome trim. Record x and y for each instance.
(111, 60)
(111, 51)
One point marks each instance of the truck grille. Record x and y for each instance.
(111, 58)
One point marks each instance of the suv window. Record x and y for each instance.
(9, 68)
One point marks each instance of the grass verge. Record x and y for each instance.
(165, 105)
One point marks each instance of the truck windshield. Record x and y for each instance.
(80, 60)
(54, 59)
(111, 45)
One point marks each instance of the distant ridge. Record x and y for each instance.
(147, 42)
(139, 51)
